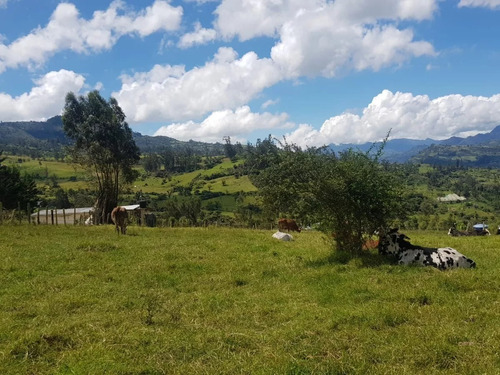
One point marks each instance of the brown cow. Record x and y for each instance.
(119, 216)
(370, 244)
(288, 224)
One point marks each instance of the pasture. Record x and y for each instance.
(83, 300)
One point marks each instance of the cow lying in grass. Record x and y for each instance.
(454, 232)
(119, 216)
(394, 243)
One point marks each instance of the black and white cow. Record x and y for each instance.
(395, 243)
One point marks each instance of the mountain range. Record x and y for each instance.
(477, 150)
(403, 150)
(49, 136)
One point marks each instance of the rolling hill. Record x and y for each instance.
(48, 136)
(481, 150)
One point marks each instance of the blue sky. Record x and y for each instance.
(315, 71)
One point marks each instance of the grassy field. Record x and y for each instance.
(71, 176)
(83, 300)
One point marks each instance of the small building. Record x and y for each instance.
(62, 216)
(452, 198)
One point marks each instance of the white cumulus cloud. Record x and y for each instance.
(201, 1)
(44, 100)
(335, 38)
(66, 30)
(320, 37)
(269, 103)
(200, 35)
(409, 116)
(492, 4)
(236, 124)
(247, 19)
(169, 93)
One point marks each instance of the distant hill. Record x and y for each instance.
(395, 150)
(484, 155)
(403, 150)
(34, 137)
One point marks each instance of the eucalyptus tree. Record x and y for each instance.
(103, 144)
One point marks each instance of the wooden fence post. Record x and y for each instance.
(47, 216)
(38, 216)
(55, 214)
(74, 215)
(52, 217)
(64, 216)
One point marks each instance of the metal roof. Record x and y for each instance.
(81, 210)
(132, 207)
(451, 198)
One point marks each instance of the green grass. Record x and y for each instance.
(46, 167)
(83, 300)
(70, 176)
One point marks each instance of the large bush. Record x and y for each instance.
(357, 196)
(350, 195)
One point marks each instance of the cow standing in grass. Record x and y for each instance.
(119, 216)
(288, 225)
(394, 243)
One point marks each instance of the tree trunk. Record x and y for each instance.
(104, 204)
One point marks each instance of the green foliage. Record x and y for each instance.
(357, 196)
(82, 300)
(61, 199)
(288, 185)
(351, 195)
(261, 156)
(188, 208)
(16, 189)
(229, 149)
(102, 142)
(151, 163)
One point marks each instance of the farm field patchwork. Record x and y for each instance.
(83, 300)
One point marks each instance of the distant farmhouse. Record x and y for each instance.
(451, 198)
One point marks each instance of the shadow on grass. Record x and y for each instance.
(366, 259)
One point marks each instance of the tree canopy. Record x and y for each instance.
(103, 143)
(16, 189)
